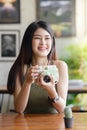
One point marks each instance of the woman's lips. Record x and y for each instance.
(42, 48)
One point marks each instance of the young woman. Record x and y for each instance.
(31, 93)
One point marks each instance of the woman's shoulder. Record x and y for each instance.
(60, 63)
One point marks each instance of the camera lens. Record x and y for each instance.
(46, 79)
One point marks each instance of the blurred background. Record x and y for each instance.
(68, 18)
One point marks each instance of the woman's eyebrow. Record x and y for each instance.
(36, 35)
(40, 35)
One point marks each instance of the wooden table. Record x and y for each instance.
(41, 122)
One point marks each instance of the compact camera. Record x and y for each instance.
(48, 70)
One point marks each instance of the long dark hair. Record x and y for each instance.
(25, 54)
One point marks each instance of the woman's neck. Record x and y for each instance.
(39, 61)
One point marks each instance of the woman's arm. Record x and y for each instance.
(21, 94)
(62, 87)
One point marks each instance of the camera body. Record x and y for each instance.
(48, 70)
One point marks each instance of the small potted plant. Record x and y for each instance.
(68, 119)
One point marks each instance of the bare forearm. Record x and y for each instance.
(60, 105)
(61, 102)
(22, 98)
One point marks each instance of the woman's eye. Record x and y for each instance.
(36, 37)
(47, 38)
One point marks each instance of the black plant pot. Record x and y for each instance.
(68, 122)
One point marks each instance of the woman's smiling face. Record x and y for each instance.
(41, 43)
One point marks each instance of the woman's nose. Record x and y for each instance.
(43, 41)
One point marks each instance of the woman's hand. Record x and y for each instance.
(32, 74)
(46, 85)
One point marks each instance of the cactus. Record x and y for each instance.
(68, 112)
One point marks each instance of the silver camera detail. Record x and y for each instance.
(48, 70)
